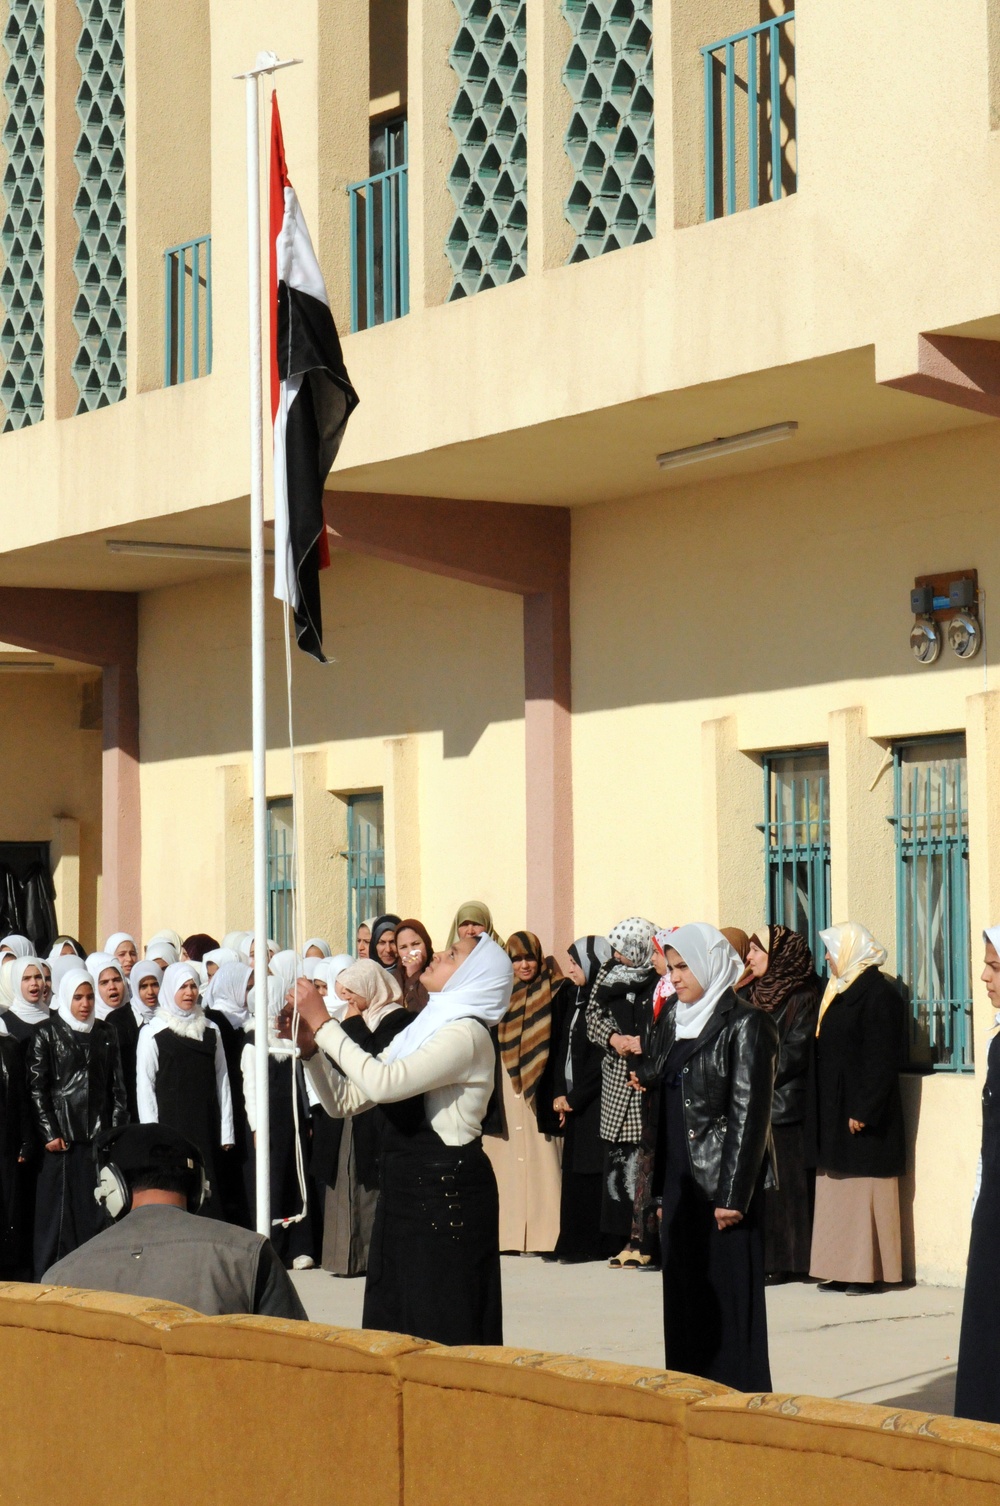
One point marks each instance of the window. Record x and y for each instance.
(280, 873)
(380, 277)
(933, 947)
(365, 861)
(796, 831)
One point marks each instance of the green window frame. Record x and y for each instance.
(796, 830)
(933, 940)
(365, 861)
(280, 873)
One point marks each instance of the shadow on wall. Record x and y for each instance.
(791, 577)
(413, 653)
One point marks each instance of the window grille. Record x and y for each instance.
(99, 311)
(750, 158)
(188, 310)
(280, 873)
(365, 862)
(488, 241)
(22, 229)
(609, 141)
(380, 258)
(933, 944)
(796, 831)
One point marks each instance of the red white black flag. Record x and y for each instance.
(311, 401)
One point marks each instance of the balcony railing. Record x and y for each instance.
(188, 314)
(758, 149)
(380, 260)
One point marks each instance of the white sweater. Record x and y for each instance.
(454, 1069)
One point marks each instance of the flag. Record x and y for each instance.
(311, 401)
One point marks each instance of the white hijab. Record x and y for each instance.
(479, 989)
(171, 937)
(31, 1014)
(190, 1022)
(221, 955)
(285, 967)
(992, 935)
(98, 963)
(116, 939)
(143, 1011)
(18, 946)
(715, 965)
(322, 946)
(330, 970)
(163, 953)
(68, 986)
(60, 967)
(227, 992)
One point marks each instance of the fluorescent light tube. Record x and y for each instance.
(182, 551)
(730, 444)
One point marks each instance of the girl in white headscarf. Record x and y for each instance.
(77, 1095)
(325, 974)
(225, 1002)
(182, 1077)
(317, 947)
(124, 949)
(713, 1059)
(437, 1218)
(162, 952)
(28, 988)
(14, 946)
(110, 982)
(861, 1140)
(217, 958)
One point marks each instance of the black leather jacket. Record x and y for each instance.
(728, 1085)
(75, 1081)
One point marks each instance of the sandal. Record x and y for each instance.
(623, 1259)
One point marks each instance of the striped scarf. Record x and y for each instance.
(526, 1029)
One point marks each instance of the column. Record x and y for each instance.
(862, 841)
(733, 892)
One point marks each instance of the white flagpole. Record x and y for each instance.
(267, 62)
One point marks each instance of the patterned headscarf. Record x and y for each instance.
(526, 1029)
(789, 965)
(633, 939)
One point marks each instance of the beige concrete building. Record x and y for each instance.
(567, 680)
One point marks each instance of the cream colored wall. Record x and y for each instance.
(52, 788)
(770, 612)
(425, 701)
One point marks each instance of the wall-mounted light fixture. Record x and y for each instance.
(182, 551)
(727, 444)
(947, 603)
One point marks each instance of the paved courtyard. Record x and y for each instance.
(899, 1347)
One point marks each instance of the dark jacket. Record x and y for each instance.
(15, 1125)
(728, 1086)
(795, 1018)
(620, 1008)
(75, 1082)
(858, 1059)
(584, 1097)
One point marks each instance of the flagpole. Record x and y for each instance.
(267, 62)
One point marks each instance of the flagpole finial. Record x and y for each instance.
(268, 62)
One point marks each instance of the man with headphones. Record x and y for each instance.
(152, 1183)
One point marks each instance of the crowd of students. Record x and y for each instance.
(687, 1100)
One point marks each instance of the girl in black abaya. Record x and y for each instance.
(977, 1384)
(577, 1063)
(714, 1059)
(77, 1095)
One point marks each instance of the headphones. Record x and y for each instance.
(114, 1195)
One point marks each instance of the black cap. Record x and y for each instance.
(148, 1149)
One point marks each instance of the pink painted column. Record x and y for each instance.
(102, 628)
(548, 757)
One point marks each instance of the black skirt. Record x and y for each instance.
(714, 1312)
(788, 1207)
(434, 1260)
(66, 1212)
(580, 1236)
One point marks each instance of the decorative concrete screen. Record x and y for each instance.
(488, 241)
(609, 75)
(99, 312)
(22, 230)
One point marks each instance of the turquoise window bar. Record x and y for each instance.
(365, 862)
(933, 944)
(796, 829)
(761, 62)
(380, 242)
(188, 310)
(280, 873)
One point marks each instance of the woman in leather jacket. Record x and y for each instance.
(77, 1093)
(714, 1060)
(785, 986)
